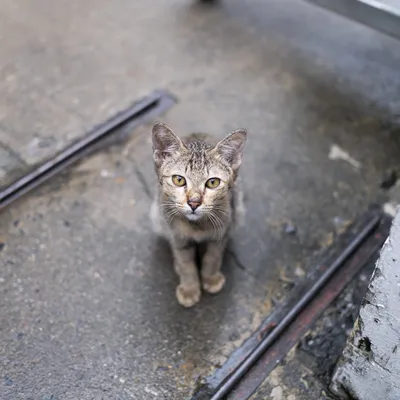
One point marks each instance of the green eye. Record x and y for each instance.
(178, 180)
(212, 183)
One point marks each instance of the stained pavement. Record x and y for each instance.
(88, 308)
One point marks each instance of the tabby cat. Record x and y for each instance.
(198, 204)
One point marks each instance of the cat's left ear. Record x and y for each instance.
(165, 143)
(231, 148)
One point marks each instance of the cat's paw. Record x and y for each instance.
(214, 283)
(188, 296)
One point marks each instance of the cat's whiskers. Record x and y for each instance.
(214, 224)
(169, 216)
(222, 211)
(218, 223)
(170, 210)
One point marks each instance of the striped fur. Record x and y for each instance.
(197, 158)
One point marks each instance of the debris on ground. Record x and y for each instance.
(389, 209)
(290, 229)
(341, 224)
(277, 393)
(284, 278)
(326, 240)
(282, 226)
(337, 153)
(299, 272)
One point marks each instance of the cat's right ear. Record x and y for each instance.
(165, 143)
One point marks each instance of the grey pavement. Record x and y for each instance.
(87, 305)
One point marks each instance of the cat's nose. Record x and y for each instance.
(194, 203)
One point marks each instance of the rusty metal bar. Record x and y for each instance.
(234, 378)
(150, 106)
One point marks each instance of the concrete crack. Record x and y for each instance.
(236, 260)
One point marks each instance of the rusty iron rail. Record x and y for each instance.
(248, 366)
(148, 107)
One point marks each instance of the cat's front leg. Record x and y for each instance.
(188, 291)
(212, 278)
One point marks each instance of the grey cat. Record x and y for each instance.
(198, 204)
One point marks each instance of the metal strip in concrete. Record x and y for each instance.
(113, 129)
(305, 319)
(369, 368)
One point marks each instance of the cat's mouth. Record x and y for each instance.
(193, 216)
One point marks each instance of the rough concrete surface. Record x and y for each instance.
(68, 65)
(88, 308)
(370, 366)
(292, 380)
(306, 371)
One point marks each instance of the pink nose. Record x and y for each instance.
(194, 203)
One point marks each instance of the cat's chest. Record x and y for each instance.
(194, 232)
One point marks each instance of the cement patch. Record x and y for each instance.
(370, 366)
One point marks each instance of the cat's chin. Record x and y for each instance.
(193, 217)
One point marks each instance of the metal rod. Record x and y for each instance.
(252, 358)
(78, 149)
(376, 14)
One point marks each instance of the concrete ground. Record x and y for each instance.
(369, 367)
(88, 308)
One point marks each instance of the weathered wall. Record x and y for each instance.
(370, 366)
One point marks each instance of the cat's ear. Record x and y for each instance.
(165, 143)
(231, 148)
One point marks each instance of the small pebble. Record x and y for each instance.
(290, 229)
(105, 173)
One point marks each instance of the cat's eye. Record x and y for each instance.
(212, 183)
(178, 180)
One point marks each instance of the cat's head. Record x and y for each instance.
(196, 177)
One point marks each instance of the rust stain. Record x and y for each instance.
(283, 276)
(266, 330)
(327, 240)
(343, 226)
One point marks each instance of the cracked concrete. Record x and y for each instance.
(88, 308)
